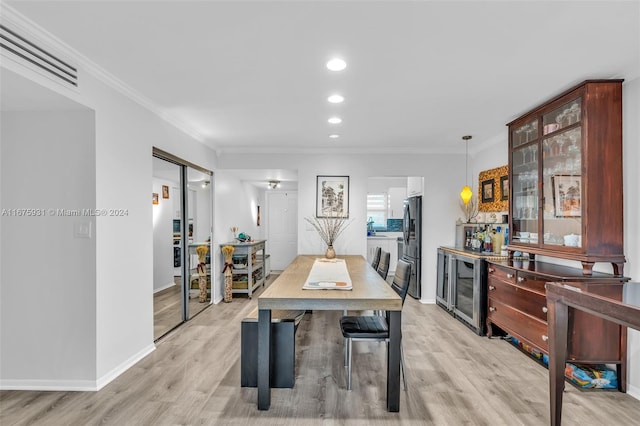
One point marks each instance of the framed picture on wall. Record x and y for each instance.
(154, 198)
(165, 191)
(504, 188)
(487, 191)
(332, 196)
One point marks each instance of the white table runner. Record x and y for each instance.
(328, 274)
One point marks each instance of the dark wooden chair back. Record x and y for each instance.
(401, 278)
(376, 258)
(383, 266)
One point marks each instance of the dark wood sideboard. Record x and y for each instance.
(517, 304)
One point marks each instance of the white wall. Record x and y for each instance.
(47, 291)
(440, 197)
(382, 184)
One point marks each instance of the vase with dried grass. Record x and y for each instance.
(202, 251)
(227, 252)
(470, 210)
(329, 229)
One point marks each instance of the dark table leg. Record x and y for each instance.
(264, 349)
(393, 362)
(557, 318)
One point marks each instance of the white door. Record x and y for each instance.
(282, 233)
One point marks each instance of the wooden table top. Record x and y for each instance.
(370, 291)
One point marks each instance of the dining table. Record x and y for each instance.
(368, 291)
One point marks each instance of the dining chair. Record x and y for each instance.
(383, 266)
(376, 258)
(375, 327)
(374, 264)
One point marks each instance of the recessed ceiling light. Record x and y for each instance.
(335, 99)
(336, 64)
(335, 120)
(334, 136)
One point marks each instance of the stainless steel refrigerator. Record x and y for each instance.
(412, 234)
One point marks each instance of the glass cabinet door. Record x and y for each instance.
(524, 186)
(562, 176)
(525, 134)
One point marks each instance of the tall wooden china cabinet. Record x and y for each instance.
(565, 201)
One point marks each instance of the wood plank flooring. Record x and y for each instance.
(455, 378)
(167, 308)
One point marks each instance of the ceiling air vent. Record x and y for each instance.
(23, 48)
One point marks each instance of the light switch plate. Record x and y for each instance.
(82, 230)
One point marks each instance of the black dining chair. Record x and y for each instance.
(376, 258)
(383, 266)
(375, 327)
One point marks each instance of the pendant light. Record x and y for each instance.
(466, 192)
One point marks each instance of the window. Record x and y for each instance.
(377, 207)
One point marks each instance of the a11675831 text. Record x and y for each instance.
(58, 212)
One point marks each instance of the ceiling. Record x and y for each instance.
(251, 76)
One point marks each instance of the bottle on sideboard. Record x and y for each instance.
(488, 247)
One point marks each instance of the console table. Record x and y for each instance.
(249, 260)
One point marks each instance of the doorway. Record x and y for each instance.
(182, 234)
(282, 234)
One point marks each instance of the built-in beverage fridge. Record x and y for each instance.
(461, 288)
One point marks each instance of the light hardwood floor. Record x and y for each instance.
(167, 308)
(193, 378)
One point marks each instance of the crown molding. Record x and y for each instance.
(286, 150)
(35, 33)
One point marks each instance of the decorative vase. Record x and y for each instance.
(228, 287)
(201, 269)
(202, 282)
(331, 253)
(227, 252)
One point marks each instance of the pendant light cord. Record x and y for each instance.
(466, 139)
(466, 192)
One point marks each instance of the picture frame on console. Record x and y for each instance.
(567, 195)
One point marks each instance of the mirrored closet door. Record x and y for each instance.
(182, 234)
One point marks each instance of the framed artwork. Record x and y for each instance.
(165, 191)
(154, 198)
(504, 188)
(567, 195)
(332, 196)
(487, 191)
(493, 190)
(258, 216)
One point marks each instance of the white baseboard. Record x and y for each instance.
(428, 301)
(48, 385)
(111, 375)
(171, 284)
(76, 385)
(634, 391)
